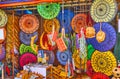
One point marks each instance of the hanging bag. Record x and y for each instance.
(60, 42)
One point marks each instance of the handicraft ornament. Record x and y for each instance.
(90, 32)
(103, 10)
(3, 18)
(29, 23)
(100, 36)
(60, 42)
(48, 10)
(82, 43)
(103, 62)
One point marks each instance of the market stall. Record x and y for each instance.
(59, 39)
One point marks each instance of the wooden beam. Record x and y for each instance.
(27, 3)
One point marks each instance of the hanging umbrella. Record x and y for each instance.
(29, 23)
(48, 10)
(24, 48)
(110, 38)
(66, 21)
(48, 25)
(26, 38)
(103, 10)
(27, 58)
(3, 18)
(99, 76)
(103, 62)
(78, 21)
(63, 56)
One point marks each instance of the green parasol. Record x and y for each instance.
(3, 18)
(90, 49)
(48, 10)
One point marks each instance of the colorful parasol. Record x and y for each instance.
(90, 51)
(68, 15)
(78, 21)
(103, 10)
(3, 18)
(48, 10)
(24, 48)
(27, 58)
(103, 62)
(90, 70)
(26, 38)
(110, 38)
(99, 76)
(29, 23)
(48, 25)
(45, 42)
(63, 56)
(117, 47)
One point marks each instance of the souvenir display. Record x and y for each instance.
(27, 58)
(103, 62)
(29, 23)
(116, 73)
(48, 24)
(26, 38)
(63, 56)
(48, 10)
(110, 37)
(103, 10)
(65, 22)
(78, 21)
(99, 76)
(59, 39)
(3, 18)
